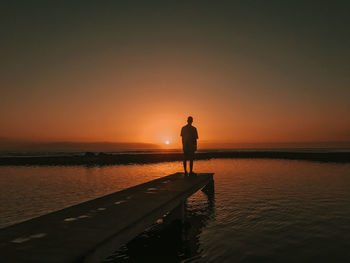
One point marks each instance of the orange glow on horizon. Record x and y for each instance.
(138, 112)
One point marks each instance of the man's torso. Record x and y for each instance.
(189, 138)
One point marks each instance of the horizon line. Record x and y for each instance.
(10, 140)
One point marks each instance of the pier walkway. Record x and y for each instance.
(90, 231)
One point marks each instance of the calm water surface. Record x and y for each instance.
(262, 211)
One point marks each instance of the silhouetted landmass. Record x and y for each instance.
(28, 146)
(92, 159)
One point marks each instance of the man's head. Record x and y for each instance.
(189, 120)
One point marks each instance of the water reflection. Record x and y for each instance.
(198, 217)
(171, 239)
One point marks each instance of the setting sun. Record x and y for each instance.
(167, 142)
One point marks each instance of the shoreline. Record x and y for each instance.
(101, 159)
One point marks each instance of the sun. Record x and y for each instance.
(167, 142)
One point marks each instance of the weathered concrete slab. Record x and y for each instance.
(90, 231)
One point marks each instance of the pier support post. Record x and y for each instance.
(178, 213)
(209, 188)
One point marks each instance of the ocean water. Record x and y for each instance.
(263, 210)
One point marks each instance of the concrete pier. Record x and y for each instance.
(90, 231)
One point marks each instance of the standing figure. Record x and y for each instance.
(189, 143)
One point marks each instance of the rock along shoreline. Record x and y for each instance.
(92, 159)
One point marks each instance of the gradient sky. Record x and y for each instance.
(247, 71)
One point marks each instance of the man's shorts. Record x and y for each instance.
(188, 155)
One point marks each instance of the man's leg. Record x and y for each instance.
(185, 166)
(191, 165)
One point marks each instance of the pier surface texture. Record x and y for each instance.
(90, 231)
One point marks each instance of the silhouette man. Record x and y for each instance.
(189, 143)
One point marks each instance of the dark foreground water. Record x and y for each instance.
(262, 211)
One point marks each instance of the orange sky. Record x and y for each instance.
(108, 81)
